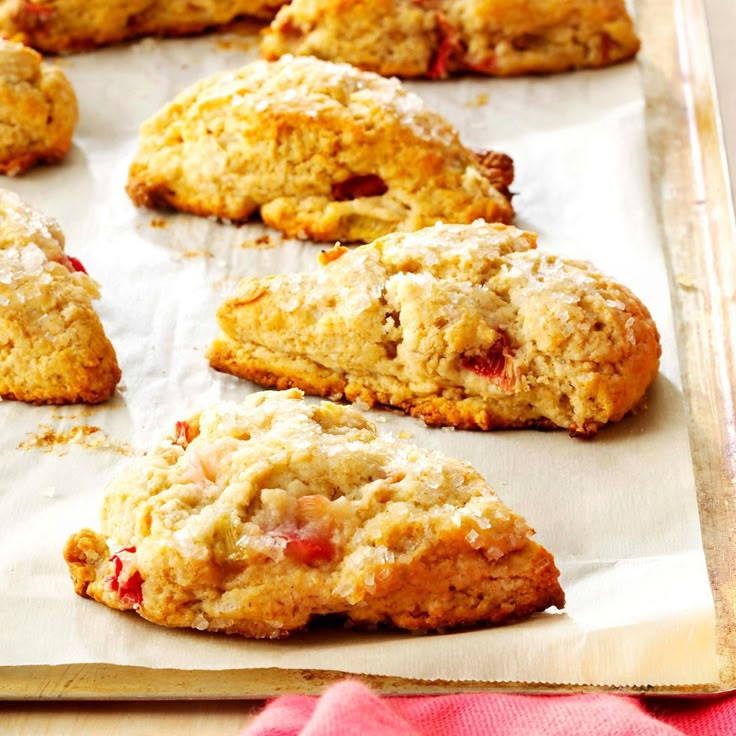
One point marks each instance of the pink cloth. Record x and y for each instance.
(351, 709)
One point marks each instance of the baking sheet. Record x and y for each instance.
(618, 512)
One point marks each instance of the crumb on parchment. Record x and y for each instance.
(265, 242)
(480, 100)
(49, 439)
(686, 281)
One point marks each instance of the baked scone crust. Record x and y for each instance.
(53, 349)
(38, 110)
(462, 325)
(323, 151)
(436, 38)
(256, 518)
(56, 26)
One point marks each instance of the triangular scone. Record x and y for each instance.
(255, 518)
(72, 25)
(462, 325)
(38, 110)
(435, 38)
(53, 349)
(325, 151)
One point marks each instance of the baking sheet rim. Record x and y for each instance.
(668, 49)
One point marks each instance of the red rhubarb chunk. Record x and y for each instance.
(368, 185)
(37, 9)
(485, 66)
(183, 434)
(496, 364)
(77, 264)
(490, 365)
(131, 589)
(438, 69)
(448, 44)
(605, 48)
(35, 16)
(307, 547)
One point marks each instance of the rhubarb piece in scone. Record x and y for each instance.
(72, 25)
(323, 151)
(257, 518)
(435, 38)
(38, 110)
(53, 349)
(461, 325)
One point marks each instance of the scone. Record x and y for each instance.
(53, 349)
(323, 151)
(38, 110)
(435, 38)
(461, 325)
(72, 25)
(257, 518)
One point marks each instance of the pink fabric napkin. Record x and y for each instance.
(351, 709)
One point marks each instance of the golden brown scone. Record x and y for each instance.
(38, 110)
(71, 25)
(53, 349)
(461, 325)
(256, 518)
(435, 38)
(324, 151)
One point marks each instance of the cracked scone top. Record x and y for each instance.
(254, 518)
(438, 37)
(324, 151)
(38, 110)
(72, 25)
(53, 349)
(461, 325)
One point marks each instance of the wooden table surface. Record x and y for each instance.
(227, 718)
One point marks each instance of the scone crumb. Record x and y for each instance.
(266, 242)
(48, 439)
(480, 100)
(79, 413)
(240, 43)
(328, 256)
(200, 623)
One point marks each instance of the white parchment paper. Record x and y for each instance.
(618, 512)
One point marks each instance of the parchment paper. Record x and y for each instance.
(618, 512)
